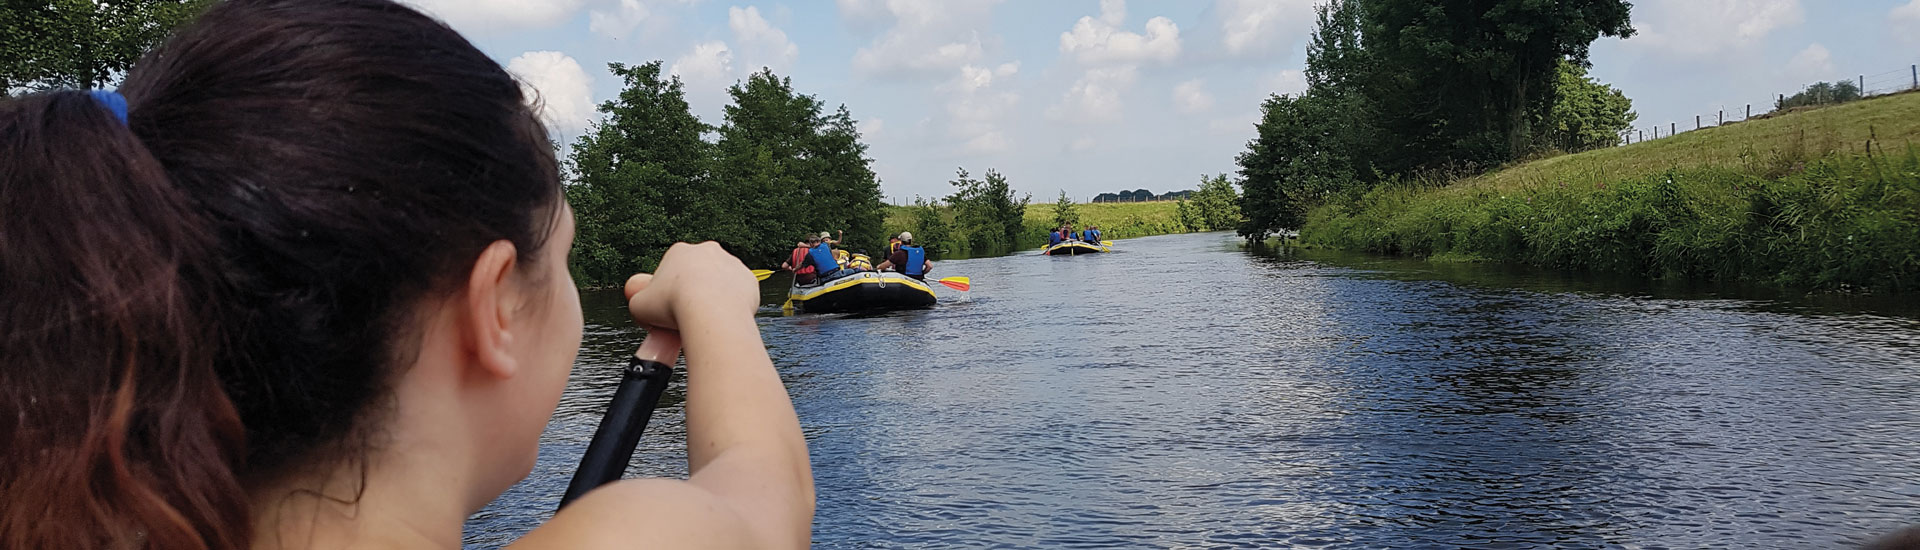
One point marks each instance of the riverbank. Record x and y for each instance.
(1116, 220)
(1827, 199)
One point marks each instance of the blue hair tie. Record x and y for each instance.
(113, 101)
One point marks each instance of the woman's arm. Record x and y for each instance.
(750, 485)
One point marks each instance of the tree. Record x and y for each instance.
(930, 227)
(1463, 80)
(1586, 114)
(83, 43)
(1064, 212)
(640, 178)
(987, 212)
(1292, 164)
(791, 170)
(1217, 204)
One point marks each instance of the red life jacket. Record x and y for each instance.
(800, 254)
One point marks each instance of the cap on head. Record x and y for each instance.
(824, 235)
(906, 237)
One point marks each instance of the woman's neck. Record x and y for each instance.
(392, 499)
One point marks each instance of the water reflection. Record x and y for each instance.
(1184, 393)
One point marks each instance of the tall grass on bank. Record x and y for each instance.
(1825, 220)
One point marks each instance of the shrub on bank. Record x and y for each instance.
(1835, 222)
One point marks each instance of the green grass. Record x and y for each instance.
(1116, 220)
(1824, 199)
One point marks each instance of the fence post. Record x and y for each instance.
(1723, 118)
(1749, 111)
(1673, 128)
(1863, 85)
(1916, 76)
(1696, 122)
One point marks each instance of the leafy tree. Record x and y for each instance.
(930, 228)
(640, 178)
(1463, 80)
(645, 176)
(1290, 166)
(1587, 114)
(791, 170)
(987, 212)
(82, 43)
(1064, 212)
(1216, 205)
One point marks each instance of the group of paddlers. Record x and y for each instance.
(1065, 233)
(815, 260)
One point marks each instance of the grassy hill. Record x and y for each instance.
(1826, 198)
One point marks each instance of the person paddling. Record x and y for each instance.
(821, 258)
(801, 275)
(908, 260)
(302, 282)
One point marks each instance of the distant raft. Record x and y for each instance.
(1075, 248)
(862, 292)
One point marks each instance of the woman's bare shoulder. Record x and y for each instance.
(643, 513)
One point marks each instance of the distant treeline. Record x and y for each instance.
(1405, 88)
(782, 167)
(1140, 195)
(1822, 93)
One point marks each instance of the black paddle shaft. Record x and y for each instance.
(612, 446)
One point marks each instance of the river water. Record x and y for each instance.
(1186, 393)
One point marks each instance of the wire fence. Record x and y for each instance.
(1870, 85)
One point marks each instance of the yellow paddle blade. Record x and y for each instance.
(762, 274)
(958, 283)
(1106, 243)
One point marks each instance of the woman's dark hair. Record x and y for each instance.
(217, 294)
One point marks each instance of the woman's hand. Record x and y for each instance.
(693, 280)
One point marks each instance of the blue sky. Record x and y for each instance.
(1089, 96)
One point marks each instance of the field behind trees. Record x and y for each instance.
(1116, 220)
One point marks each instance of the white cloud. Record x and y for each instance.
(1706, 28)
(1262, 27)
(761, 44)
(619, 22)
(872, 127)
(1287, 82)
(561, 90)
(1813, 63)
(977, 107)
(1095, 97)
(707, 67)
(1101, 40)
(481, 16)
(1082, 143)
(1906, 21)
(1192, 97)
(927, 37)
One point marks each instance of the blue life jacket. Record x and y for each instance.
(1053, 237)
(916, 259)
(822, 255)
(1093, 236)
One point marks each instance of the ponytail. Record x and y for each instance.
(116, 431)
(219, 292)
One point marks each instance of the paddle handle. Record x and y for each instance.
(612, 446)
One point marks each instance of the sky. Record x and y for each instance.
(1092, 96)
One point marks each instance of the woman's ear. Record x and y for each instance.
(490, 302)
